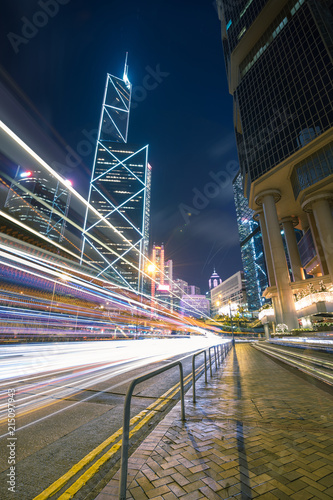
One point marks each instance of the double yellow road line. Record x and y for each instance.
(138, 421)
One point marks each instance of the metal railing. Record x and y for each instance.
(143, 378)
(193, 370)
(126, 419)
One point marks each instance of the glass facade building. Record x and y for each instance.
(116, 231)
(284, 91)
(279, 62)
(38, 200)
(252, 253)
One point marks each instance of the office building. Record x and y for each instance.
(40, 201)
(193, 290)
(278, 56)
(179, 287)
(116, 231)
(252, 253)
(168, 272)
(157, 271)
(230, 295)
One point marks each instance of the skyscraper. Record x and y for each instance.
(255, 273)
(40, 201)
(116, 234)
(278, 56)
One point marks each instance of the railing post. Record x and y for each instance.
(193, 371)
(182, 393)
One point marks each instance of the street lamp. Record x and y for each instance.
(231, 325)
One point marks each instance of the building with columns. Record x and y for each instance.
(279, 61)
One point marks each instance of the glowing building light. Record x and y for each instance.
(163, 288)
(266, 312)
(313, 298)
(151, 268)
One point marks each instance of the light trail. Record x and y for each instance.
(93, 289)
(161, 350)
(88, 206)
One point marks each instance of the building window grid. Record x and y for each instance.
(279, 23)
(315, 168)
(241, 16)
(311, 119)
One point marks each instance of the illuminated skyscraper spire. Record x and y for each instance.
(125, 77)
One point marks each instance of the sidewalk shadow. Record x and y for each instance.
(242, 456)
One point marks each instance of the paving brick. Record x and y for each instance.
(279, 494)
(194, 495)
(176, 489)
(302, 495)
(194, 486)
(157, 491)
(318, 494)
(327, 480)
(170, 496)
(138, 493)
(250, 435)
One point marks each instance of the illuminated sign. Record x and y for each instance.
(163, 288)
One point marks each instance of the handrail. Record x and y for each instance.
(127, 403)
(126, 419)
(193, 370)
(210, 360)
(218, 347)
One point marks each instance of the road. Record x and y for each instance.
(62, 406)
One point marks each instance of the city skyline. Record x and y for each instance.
(191, 140)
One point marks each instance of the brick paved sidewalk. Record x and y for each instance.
(256, 431)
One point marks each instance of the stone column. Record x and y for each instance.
(277, 309)
(259, 216)
(268, 199)
(319, 204)
(295, 260)
(267, 332)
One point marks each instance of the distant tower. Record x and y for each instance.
(117, 241)
(40, 201)
(214, 280)
(158, 262)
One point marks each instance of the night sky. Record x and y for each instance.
(181, 108)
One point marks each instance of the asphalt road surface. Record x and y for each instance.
(62, 407)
